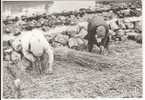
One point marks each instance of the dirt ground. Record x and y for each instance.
(71, 80)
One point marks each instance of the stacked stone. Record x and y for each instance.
(130, 28)
(70, 32)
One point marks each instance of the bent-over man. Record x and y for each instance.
(97, 33)
(35, 48)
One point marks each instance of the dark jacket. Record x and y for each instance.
(93, 23)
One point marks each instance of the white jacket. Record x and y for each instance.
(34, 42)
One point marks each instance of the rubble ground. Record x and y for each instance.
(77, 73)
(121, 77)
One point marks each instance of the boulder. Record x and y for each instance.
(57, 30)
(83, 25)
(80, 41)
(77, 43)
(73, 30)
(72, 42)
(63, 39)
(132, 19)
(82, 33)
(126, 12)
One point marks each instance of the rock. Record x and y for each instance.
(7, 30)
(77, 43)
(8, 50)
(129, 25)
(41, 20)
(111, 32)
(17, 82)
(80, 41)
(119, 35)
(112, 35)
(20, 23)
(120, 32)
(121, 24)
(45, 28)
(83, 25)
(138, 26)
(49, 38)
(120, 15)
(15, 57)
(124, 38)
(107, 15)
(73, 30)
(132, 19)
(56, 44)
(129, 31)
(6, 53)
(17, 32)
(138, 38)
(113, 25)
(132, 35)
(6, 57)
(82, 33)
(57, 30)
(125, 12)
(63, 39)
(72, 42)
(135, 12)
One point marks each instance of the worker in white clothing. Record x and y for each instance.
(35, 48)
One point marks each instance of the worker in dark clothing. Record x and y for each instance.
(97, 29)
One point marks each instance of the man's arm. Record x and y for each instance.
(29, 56)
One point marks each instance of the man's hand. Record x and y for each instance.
(99, 40)
(101, 49)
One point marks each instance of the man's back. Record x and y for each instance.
(97, 21)
(97, 28)
(92, 26)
